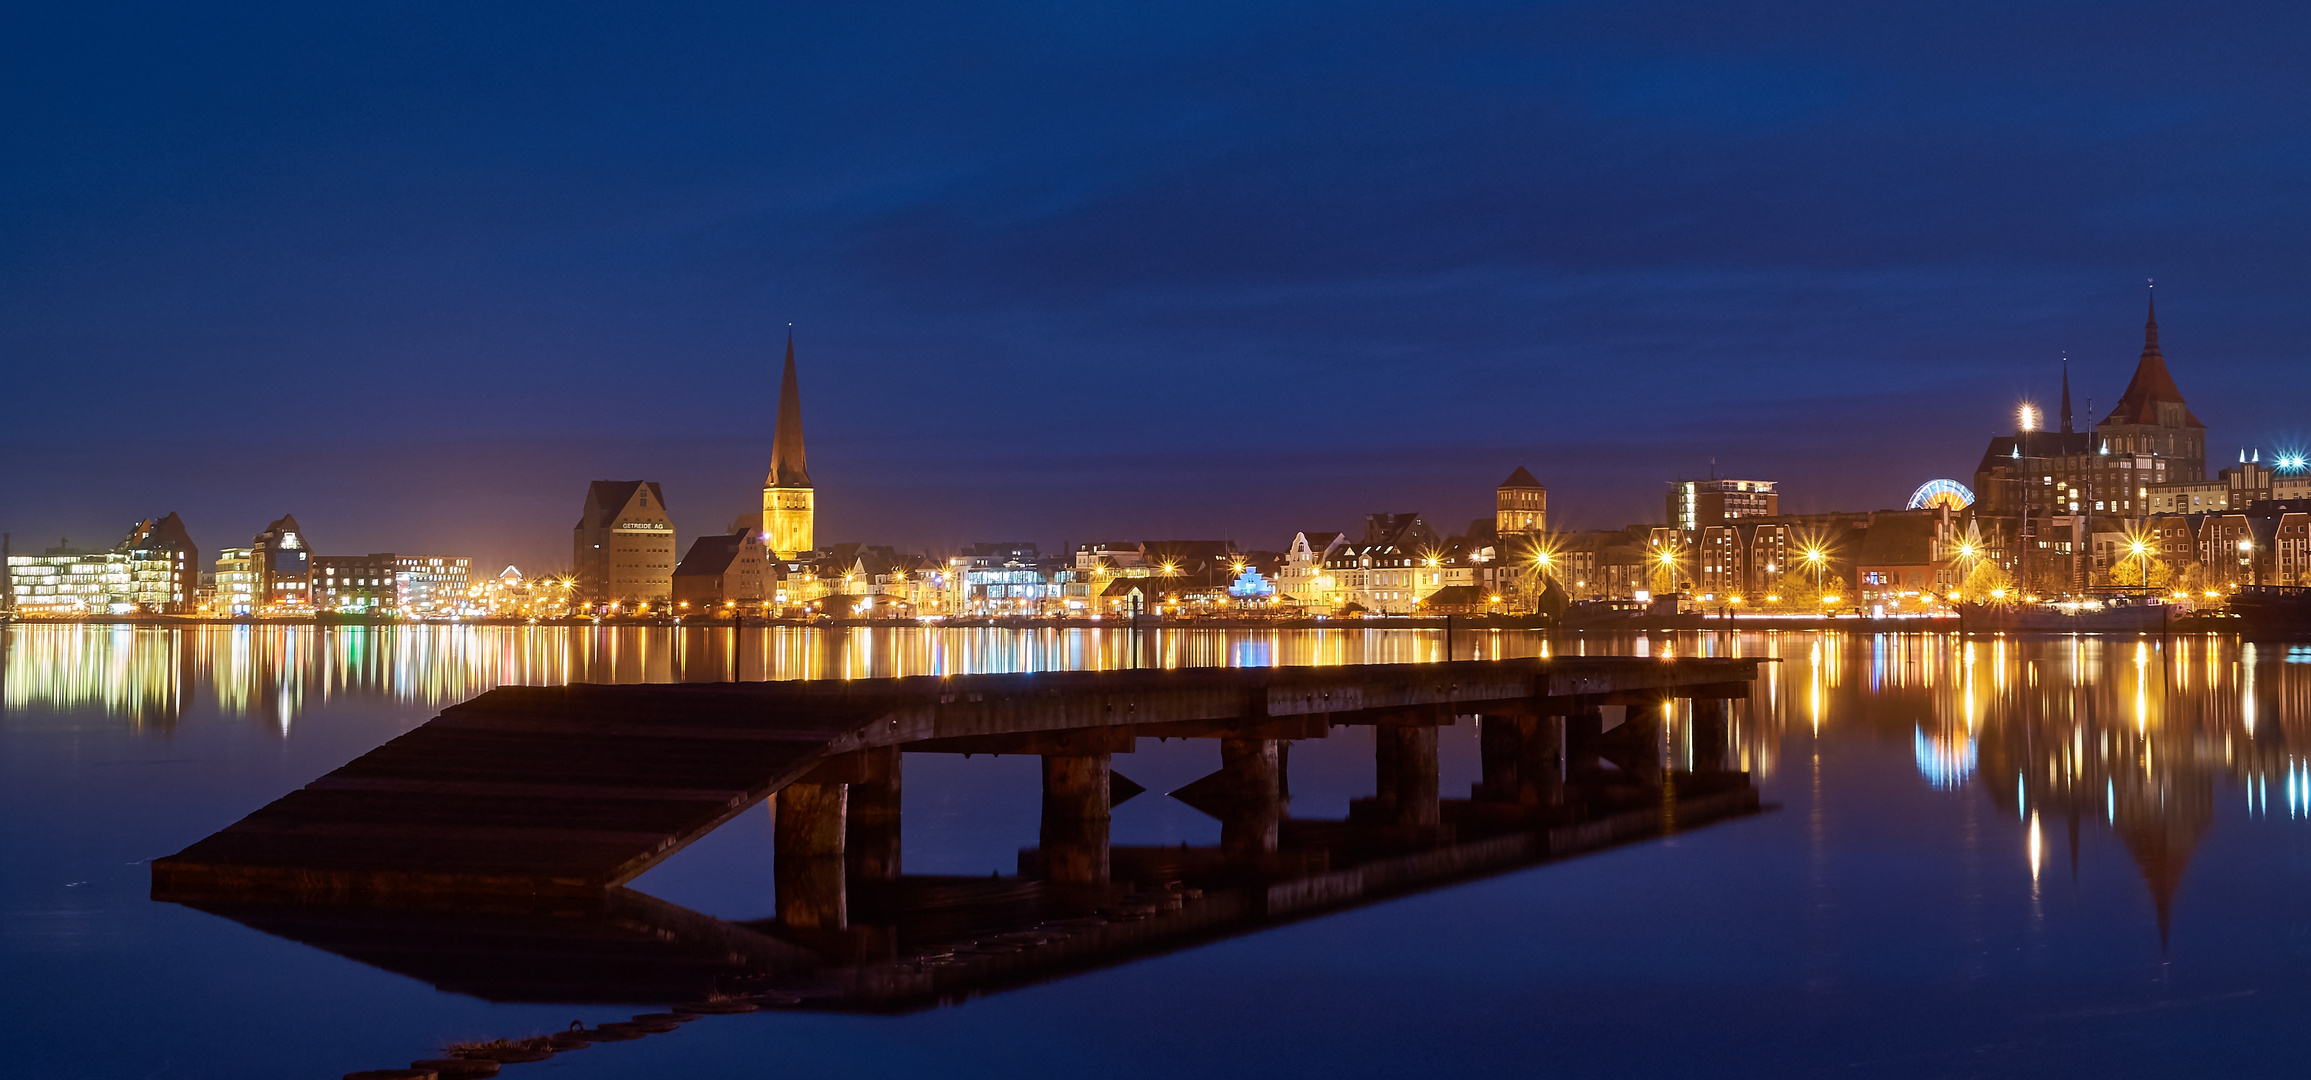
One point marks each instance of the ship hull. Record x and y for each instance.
(2033, 618)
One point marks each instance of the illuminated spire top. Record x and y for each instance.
(786, 460)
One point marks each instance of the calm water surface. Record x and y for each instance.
(1991, 857)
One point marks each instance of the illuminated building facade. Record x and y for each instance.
(2235, 488)
(789, 504)
(354, 584)
(623, 546)
(154, 570)
(431, 584)
(63, 580)
(1520, 506)
(1302, 579)
(1695, 505)
(164, 566)
(233, 585)
(1004, 577)
(1401, 561)
(725, 574)
(282, 559)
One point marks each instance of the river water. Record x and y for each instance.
(1985, 857)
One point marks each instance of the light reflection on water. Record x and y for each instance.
(2178, 765)
(150, 675)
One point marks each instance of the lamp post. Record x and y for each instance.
(2137, 549)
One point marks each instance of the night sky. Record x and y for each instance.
(1090, 271)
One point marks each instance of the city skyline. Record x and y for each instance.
(1590, 491)
(418, 293)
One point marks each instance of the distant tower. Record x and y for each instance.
(2152, 418)
(788, 503)
(1520, 506)
(2066, 395)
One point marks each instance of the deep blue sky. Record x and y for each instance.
(1066, 272)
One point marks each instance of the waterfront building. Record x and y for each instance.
(164, 566)
(623, 546)
(1695, 505)
(789, 504)
(1165, 595)
(1400, 561)
(2234, 488)
(1000, 578)
(64, 580)
(724, 574)
(1114, 556)
(282, 558)
(1905, 560)
(233, 588)
(1599, 564)
(2149, 439)
(1302, 579)
(426, 585)
(355, 584)
(154, 570)
(1520, 506)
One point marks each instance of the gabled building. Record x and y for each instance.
(725, 575)
(282, 558)
(622, 549)
(164, 566)
(1302, 580)
(1400, 561)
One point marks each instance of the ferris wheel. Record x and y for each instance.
(1941, 494)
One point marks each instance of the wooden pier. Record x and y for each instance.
(572, 790)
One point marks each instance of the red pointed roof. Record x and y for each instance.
(2151, 384)
(1520, 479)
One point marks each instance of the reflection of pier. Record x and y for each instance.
(505, 885)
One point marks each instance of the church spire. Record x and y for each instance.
(2066, 395)
(2150, 329)
(786, 458)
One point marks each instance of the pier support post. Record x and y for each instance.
(1523, 759)
(1075, 818)
(1582, 730)
(1712, 735)
(1254, 774)
(1645, 724)
(807, 849)
(872, 845)
(1404, 766)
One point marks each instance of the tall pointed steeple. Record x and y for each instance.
(2151, 385)
(2150, 328)
(789, 505)
(787, 468)
(2066, 395)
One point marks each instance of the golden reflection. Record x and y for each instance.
(2079, 733)
(153, 676)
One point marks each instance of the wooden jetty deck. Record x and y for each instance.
(573, 790)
